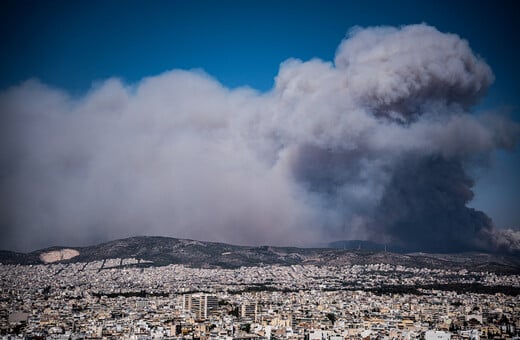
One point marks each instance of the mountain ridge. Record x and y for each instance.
(160, 250)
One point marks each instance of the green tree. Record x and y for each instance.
(235, 312)
(331, 317)
(246, 327)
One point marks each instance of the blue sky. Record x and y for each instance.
(74, 44)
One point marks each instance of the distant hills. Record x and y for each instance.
(160, 251)
(366, 245)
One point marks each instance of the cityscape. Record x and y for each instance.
(259, 170)
(129, 299)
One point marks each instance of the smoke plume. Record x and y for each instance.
(374, 145)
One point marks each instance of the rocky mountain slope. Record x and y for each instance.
(165, 250)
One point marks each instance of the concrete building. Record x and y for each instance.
(201, 305)
(437, 335)
(250, 310)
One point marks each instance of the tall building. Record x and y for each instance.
(249, 310)
(201, 305)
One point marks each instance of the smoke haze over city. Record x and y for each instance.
(381, 143)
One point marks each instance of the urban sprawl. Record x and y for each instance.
(128, 299)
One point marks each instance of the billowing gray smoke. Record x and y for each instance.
(375, 146)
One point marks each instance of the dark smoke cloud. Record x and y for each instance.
(373, 146)
(424, 207)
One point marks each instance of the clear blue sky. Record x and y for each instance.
(73, 44)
